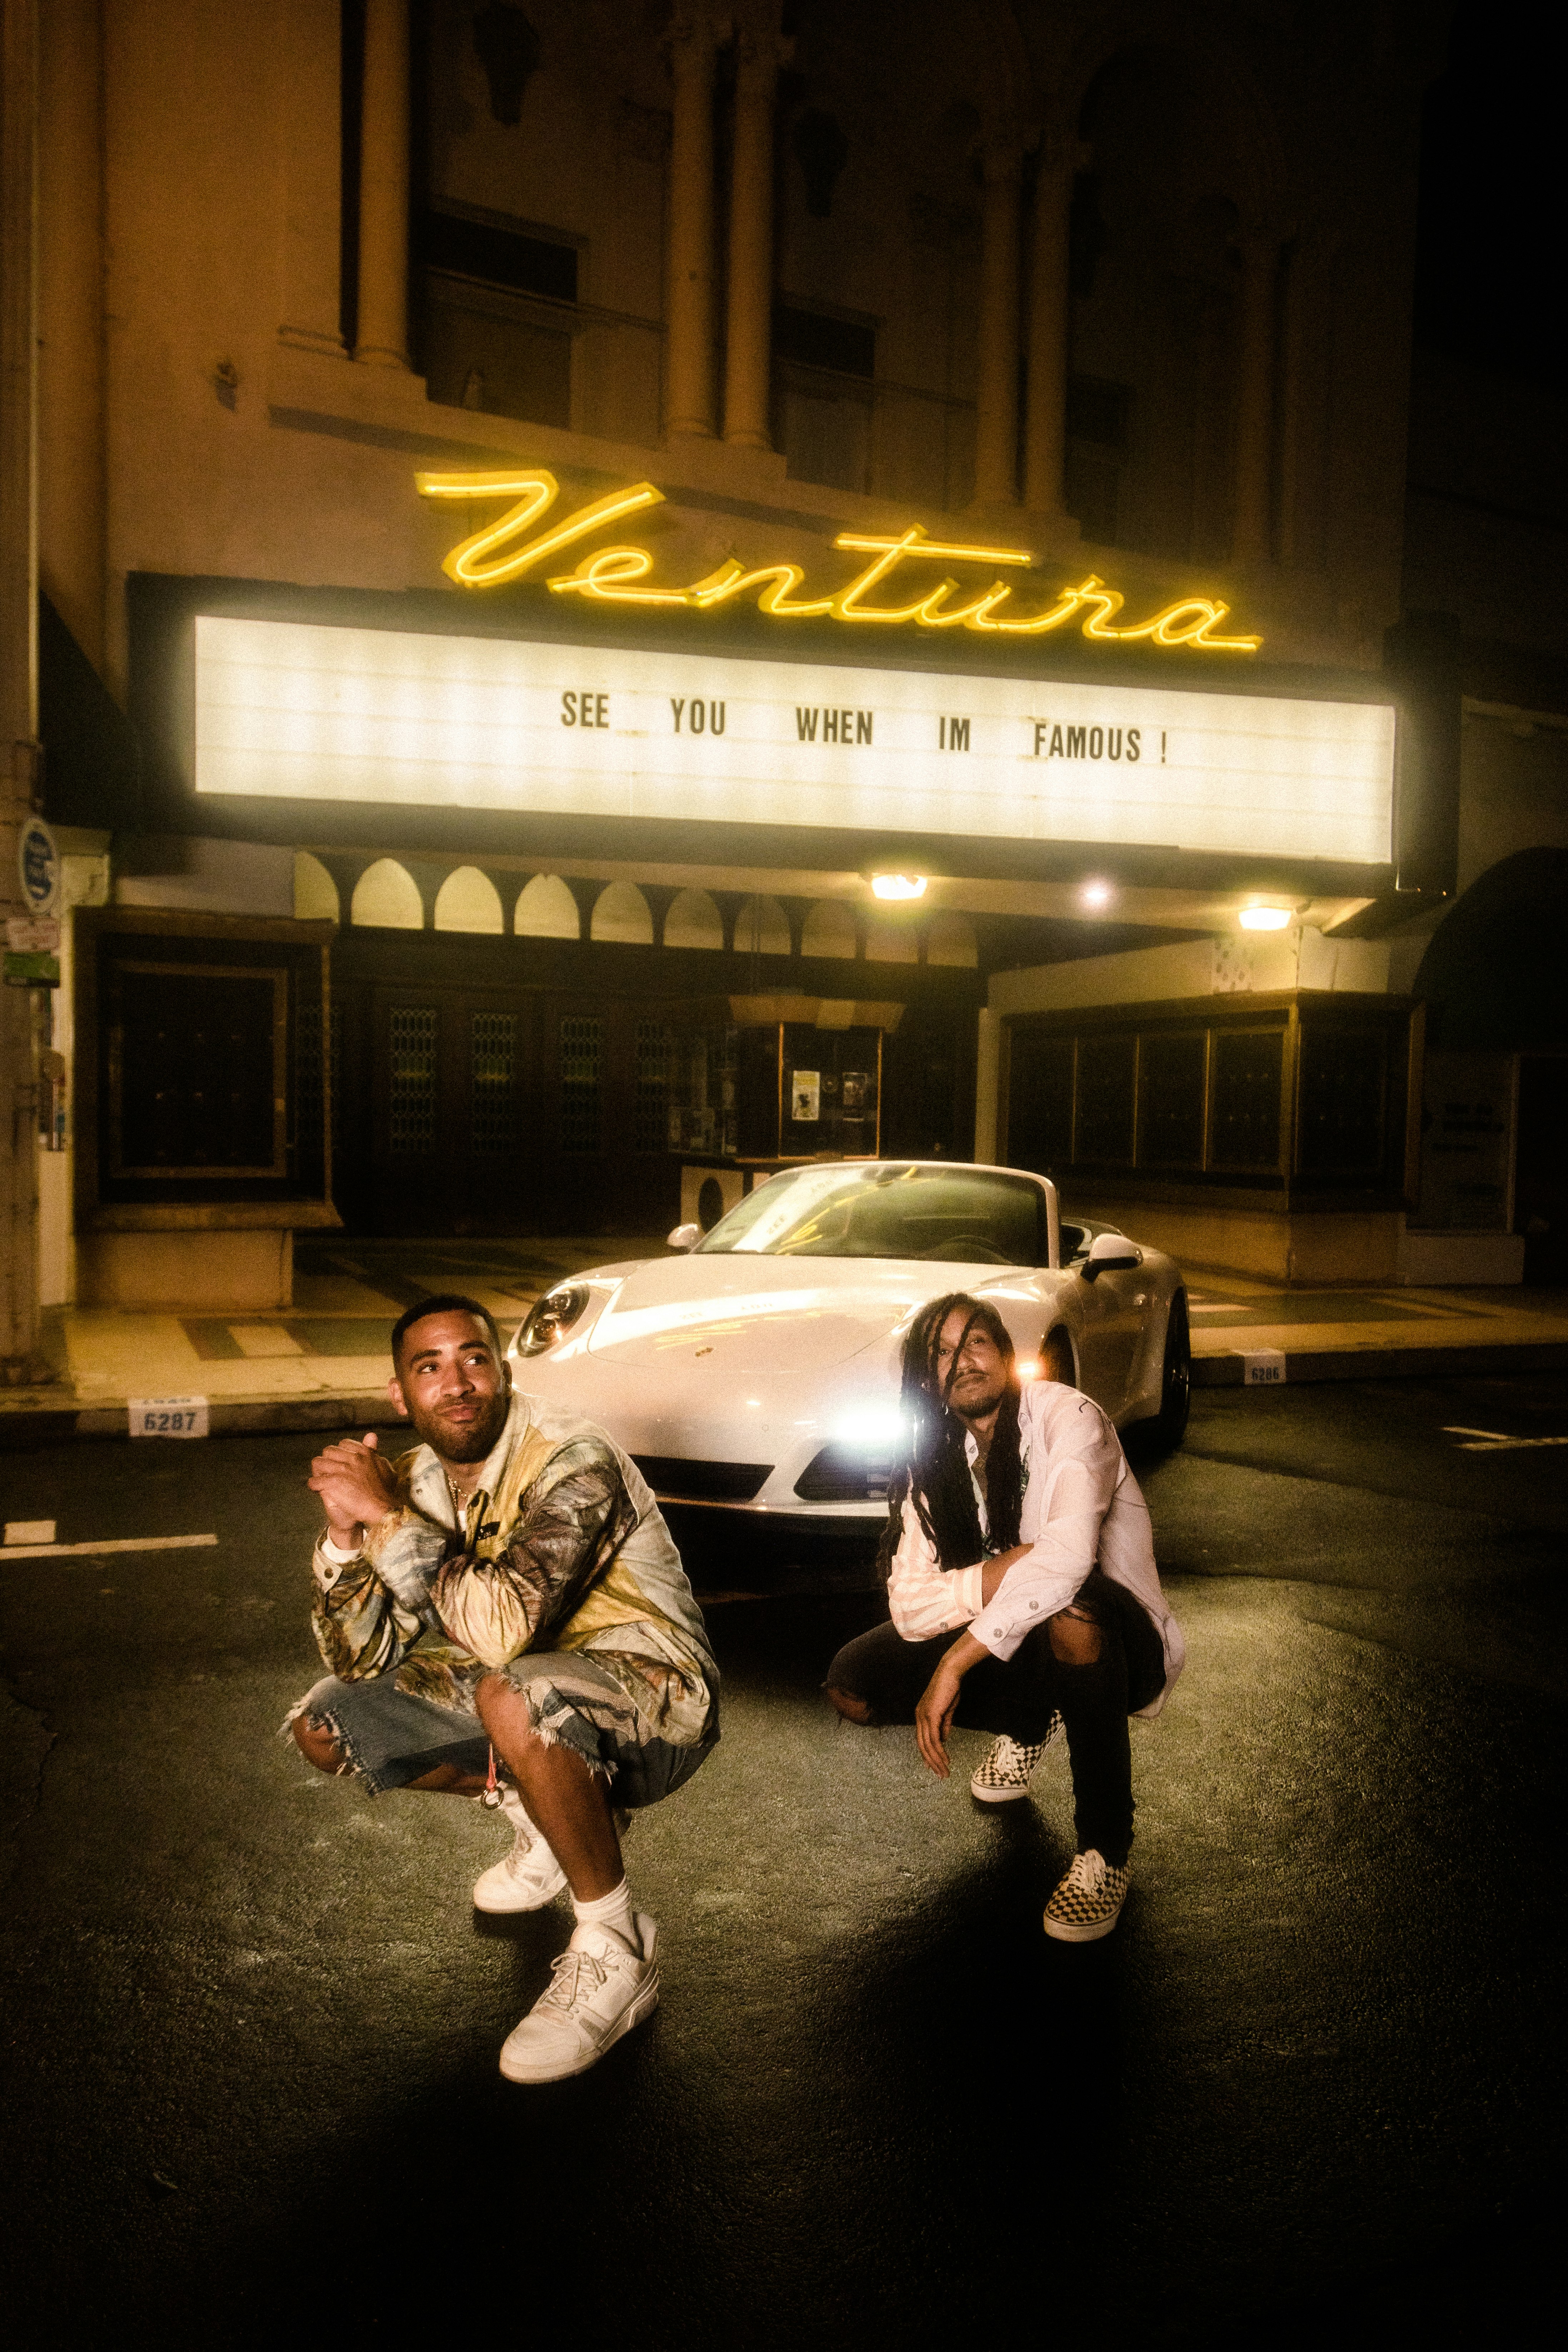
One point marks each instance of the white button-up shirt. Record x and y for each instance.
(1082, 1509)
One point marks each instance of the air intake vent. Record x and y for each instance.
(844, 1473)
(676, 1480)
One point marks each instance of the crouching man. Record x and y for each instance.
(1023, 1594)
(505, 1616)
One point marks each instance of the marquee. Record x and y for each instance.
(301, 711)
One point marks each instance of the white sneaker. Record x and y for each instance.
(597, 1991)
(1005, 1772)
(529, 1876)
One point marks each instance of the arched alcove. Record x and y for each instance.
(468, 900)
(316, 897)
(889, 941)
(951, 940)
(830, 930)
(1493, 976)
(622, 916)
(386, 897)
(693, 921)
(546, 910)
(761, 928)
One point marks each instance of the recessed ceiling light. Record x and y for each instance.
(898, 886)
(1264, 918)
(1096, 894)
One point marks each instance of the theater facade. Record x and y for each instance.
(592, 684)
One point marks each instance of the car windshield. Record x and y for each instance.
(967, 1216)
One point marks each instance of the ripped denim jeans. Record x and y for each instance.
(392, 1738)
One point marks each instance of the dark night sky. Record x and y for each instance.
(1493, 218)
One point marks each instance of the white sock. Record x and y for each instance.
(613, 1913)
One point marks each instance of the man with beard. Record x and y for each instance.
(1016, 1524)
(504, 1615)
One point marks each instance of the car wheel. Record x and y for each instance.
(1055, 1360)
(1176, 1380)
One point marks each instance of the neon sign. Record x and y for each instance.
(503, 551)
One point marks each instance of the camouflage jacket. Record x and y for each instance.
(562, 1547)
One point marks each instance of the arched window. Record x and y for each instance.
(830, 930)
(693, 921)
(315, 892)
(761, 928)
(888, 940)
(621, 913)
(468, 900)
(386, 897)
(546, 910)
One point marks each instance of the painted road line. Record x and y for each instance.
(109, 1543)
(1495, 1441)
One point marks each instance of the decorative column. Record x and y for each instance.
(997, 392)
(383, 339)
(1250, 541)
(312, 227)
(1045, 418)
(748, 345)
(688, 321)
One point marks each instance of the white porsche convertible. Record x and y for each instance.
(758, 1370)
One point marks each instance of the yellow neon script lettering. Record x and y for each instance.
(467, 563)
(615, 575)
(890, 552)
(609, 575)
(733, 579)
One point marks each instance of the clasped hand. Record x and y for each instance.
(356, 1486)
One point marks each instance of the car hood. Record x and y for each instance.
(757, 1314)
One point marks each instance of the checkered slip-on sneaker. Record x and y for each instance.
(1088, 1900)
(1004, 1773)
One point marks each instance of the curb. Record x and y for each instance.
(33, 1422)
(1236, 1370)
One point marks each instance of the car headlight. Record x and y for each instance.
(874, 1430)
(550, 1318)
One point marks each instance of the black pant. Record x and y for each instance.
(1020, 1695)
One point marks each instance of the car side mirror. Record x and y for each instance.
(684, 1237)
(1110, 1253)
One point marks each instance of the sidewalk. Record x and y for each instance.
(324, 1364)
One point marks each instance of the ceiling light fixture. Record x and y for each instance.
(898, 886)
(1264, 918)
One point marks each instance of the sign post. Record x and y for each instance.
(19, 901)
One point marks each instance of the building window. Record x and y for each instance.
(1170, 1095)
(416, 1032)
(581, 1056)
(824, 364)
(1098, 416)
(309, 1075)
(197, 1071)
(496, 312)
(1237, 1101)
(1244, 1114)
(650, 1103)
(1341, 1113)
(493, 1070)
(1105, 1074)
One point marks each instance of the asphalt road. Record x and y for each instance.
(251, 2019)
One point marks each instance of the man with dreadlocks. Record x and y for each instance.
(1017, 1523)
